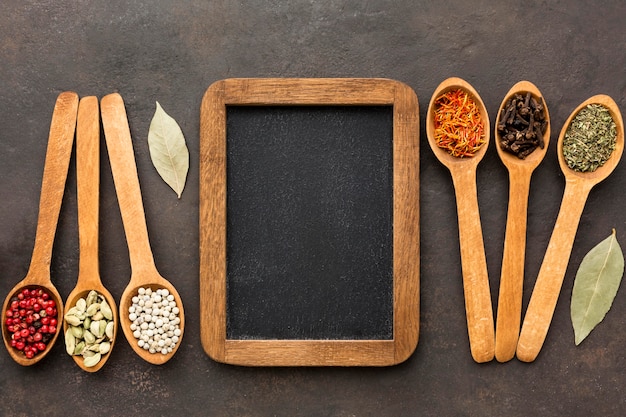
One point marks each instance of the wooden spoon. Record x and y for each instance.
(512, 275)
(58, 155)
(88, 185)
(552, 272)
(478, 307)
(144, 272)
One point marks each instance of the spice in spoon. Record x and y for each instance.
(154, 320)
(90, 329)
(459, 127)
(31, 321)
(522, 124)
(590, 138)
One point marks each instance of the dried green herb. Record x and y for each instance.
(595, 286)
(590, 138)
(168, 150)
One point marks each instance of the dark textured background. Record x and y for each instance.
(171, 52)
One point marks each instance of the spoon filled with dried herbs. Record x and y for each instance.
(590, 146)
(154, 336)
(90, 310)
(522, 136)
(457, 126)
(33, 309)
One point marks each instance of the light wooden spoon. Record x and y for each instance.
(144, 272)
(88, 185)
(509, 311)
(58, 155)
(552, 272)
(478, 307)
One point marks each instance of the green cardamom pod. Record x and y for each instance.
(89, 337)
(106, 310)
(93, 309)
(92, 297)
(77, 331)
(103, 328)
(94, 328)
(109, 330)
(72, 320)
(80, 347)
(92, 360)
(105, 347)
(70, 342)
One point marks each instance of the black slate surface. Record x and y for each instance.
(171, 52)
(309, 222)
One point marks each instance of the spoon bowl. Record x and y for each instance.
(31, 283)
(512, 272)
(608, 167)
(88, 185)
(144, 272)
(510, 160)
(442, 155)
(58, 154)
(552, 272)
(82, 289)
(155, 283)
(479, 312)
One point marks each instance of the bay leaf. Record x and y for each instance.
(168, 150)
(595, 286)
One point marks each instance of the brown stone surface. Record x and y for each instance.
(171, 52)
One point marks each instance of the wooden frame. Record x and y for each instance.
(213, 274)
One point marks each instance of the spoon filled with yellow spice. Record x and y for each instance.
(589, 148)
(90, 311)
(457, 126)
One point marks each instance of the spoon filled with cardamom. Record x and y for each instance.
(457, 126)
(90, 321)
(522, 136)
(589, 148)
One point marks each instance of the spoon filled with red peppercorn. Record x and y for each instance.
(32, 310)
(88, 182)
(144, 272)
(457, 126)
(578, 184)
(522, 136)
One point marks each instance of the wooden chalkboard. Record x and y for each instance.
(309, 222)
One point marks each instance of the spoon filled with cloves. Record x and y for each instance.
(522, 136)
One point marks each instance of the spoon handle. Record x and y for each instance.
(58, 155)
(478, 307)
(88, 185)
(512, 274)
(552, 272)
(126, 179)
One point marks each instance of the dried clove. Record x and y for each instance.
(522, 125)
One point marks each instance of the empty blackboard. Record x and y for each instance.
(309, 222)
